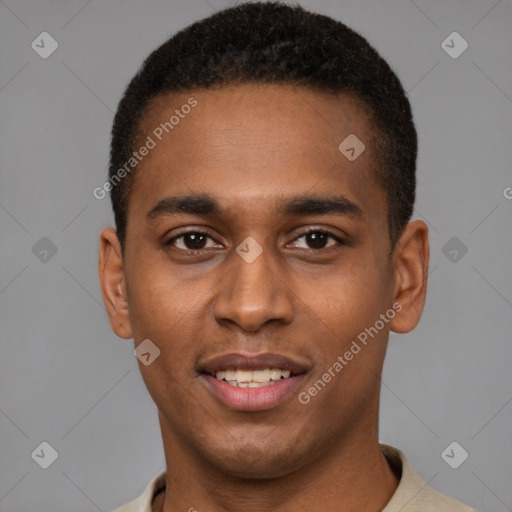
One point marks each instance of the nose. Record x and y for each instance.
(253, 293)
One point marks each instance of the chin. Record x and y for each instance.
(252, 460)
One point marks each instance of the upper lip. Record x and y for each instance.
(240, 361)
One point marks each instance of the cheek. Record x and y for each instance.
(348, 299)
(157, 299)
(163, 312)
(170, 311)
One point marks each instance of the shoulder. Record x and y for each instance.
(144, 501)
(413, 494)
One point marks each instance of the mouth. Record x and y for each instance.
(252, 382)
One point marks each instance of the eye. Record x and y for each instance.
(191, 241)
(317, 239)
(197, 241)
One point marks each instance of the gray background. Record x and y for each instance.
(66, 379)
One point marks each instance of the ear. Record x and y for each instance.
(113, 283)
(411, 257)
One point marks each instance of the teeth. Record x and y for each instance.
(243, 376)
(261, 375)
(252, 384)
(230, 375)
(275, 374)
(252, 379)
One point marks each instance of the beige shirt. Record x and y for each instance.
(411, 495)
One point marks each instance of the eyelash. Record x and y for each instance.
(330, 234)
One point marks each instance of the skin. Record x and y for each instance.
(251, 147)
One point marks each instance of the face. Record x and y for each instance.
(258, 253)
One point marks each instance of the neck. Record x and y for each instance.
(349, 477)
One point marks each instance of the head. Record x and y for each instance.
(244, 229)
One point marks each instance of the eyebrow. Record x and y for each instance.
(303, 205)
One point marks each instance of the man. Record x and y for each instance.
(262, 177)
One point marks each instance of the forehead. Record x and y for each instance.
(245, 142)
(254, 113)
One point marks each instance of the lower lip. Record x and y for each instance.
(252, 399)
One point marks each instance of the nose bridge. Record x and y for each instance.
(252, 293)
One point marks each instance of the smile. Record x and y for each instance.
(250, 382)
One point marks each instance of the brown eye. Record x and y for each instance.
(318, 239)
(190, 241)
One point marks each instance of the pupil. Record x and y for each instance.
(316, 240)
(196, 239)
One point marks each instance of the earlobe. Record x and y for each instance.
(113, 284)
(411, 257)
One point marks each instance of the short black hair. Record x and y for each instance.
(275, 43)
